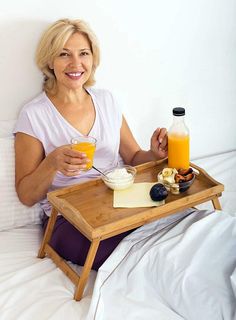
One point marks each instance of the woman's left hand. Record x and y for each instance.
(159, 143)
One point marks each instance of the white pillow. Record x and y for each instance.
(12, 212)
(6, 128)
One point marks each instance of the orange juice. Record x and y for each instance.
(178, 151)
(86, 145)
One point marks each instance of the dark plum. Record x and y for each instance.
(158, 192)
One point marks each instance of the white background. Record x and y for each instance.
(156, 55)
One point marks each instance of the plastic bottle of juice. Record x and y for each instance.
(178, 141)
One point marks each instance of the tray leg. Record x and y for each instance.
(86, 269)
(216, 204)
(48, 233)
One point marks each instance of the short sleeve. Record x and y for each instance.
(24, 124)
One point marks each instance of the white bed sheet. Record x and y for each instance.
(136, 282)
(187, 271)
(223, 168)
(31, 288)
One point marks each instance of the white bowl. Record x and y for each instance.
(119, 178)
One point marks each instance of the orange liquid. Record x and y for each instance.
(178, 151)
(88, 148)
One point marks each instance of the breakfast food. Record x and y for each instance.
(119, 178)
(168, 175)
(175, 180)
(158, 192)
(172, 175)
(119, 174)
(184, 175)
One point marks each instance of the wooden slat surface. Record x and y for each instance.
(89, 206)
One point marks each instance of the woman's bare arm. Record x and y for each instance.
(35, 172)
(132, 153)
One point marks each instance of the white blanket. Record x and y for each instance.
(185, 271)
(164, 270)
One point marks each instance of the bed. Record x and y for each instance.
(179, 267)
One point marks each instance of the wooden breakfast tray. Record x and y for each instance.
(89, 207)
(91, 203)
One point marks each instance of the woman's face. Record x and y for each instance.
(73, 66)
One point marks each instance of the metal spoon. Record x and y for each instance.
(99, 171)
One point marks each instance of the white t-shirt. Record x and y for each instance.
(39, 118)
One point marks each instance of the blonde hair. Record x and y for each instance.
(52, 42)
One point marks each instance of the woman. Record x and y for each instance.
(68, 56)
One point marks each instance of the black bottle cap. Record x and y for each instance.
(178, 111)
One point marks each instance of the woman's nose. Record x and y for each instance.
(76, 60)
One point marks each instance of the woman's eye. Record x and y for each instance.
(84, 53)
(64, 54)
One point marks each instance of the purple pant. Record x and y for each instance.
(72, 245)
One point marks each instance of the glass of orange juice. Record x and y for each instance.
(87, 145)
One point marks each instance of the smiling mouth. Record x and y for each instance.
(74, 75)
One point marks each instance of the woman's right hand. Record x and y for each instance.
(35, 172)
(68, 161)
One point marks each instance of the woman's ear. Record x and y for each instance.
(50, 65)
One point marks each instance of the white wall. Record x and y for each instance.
(155, 55)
